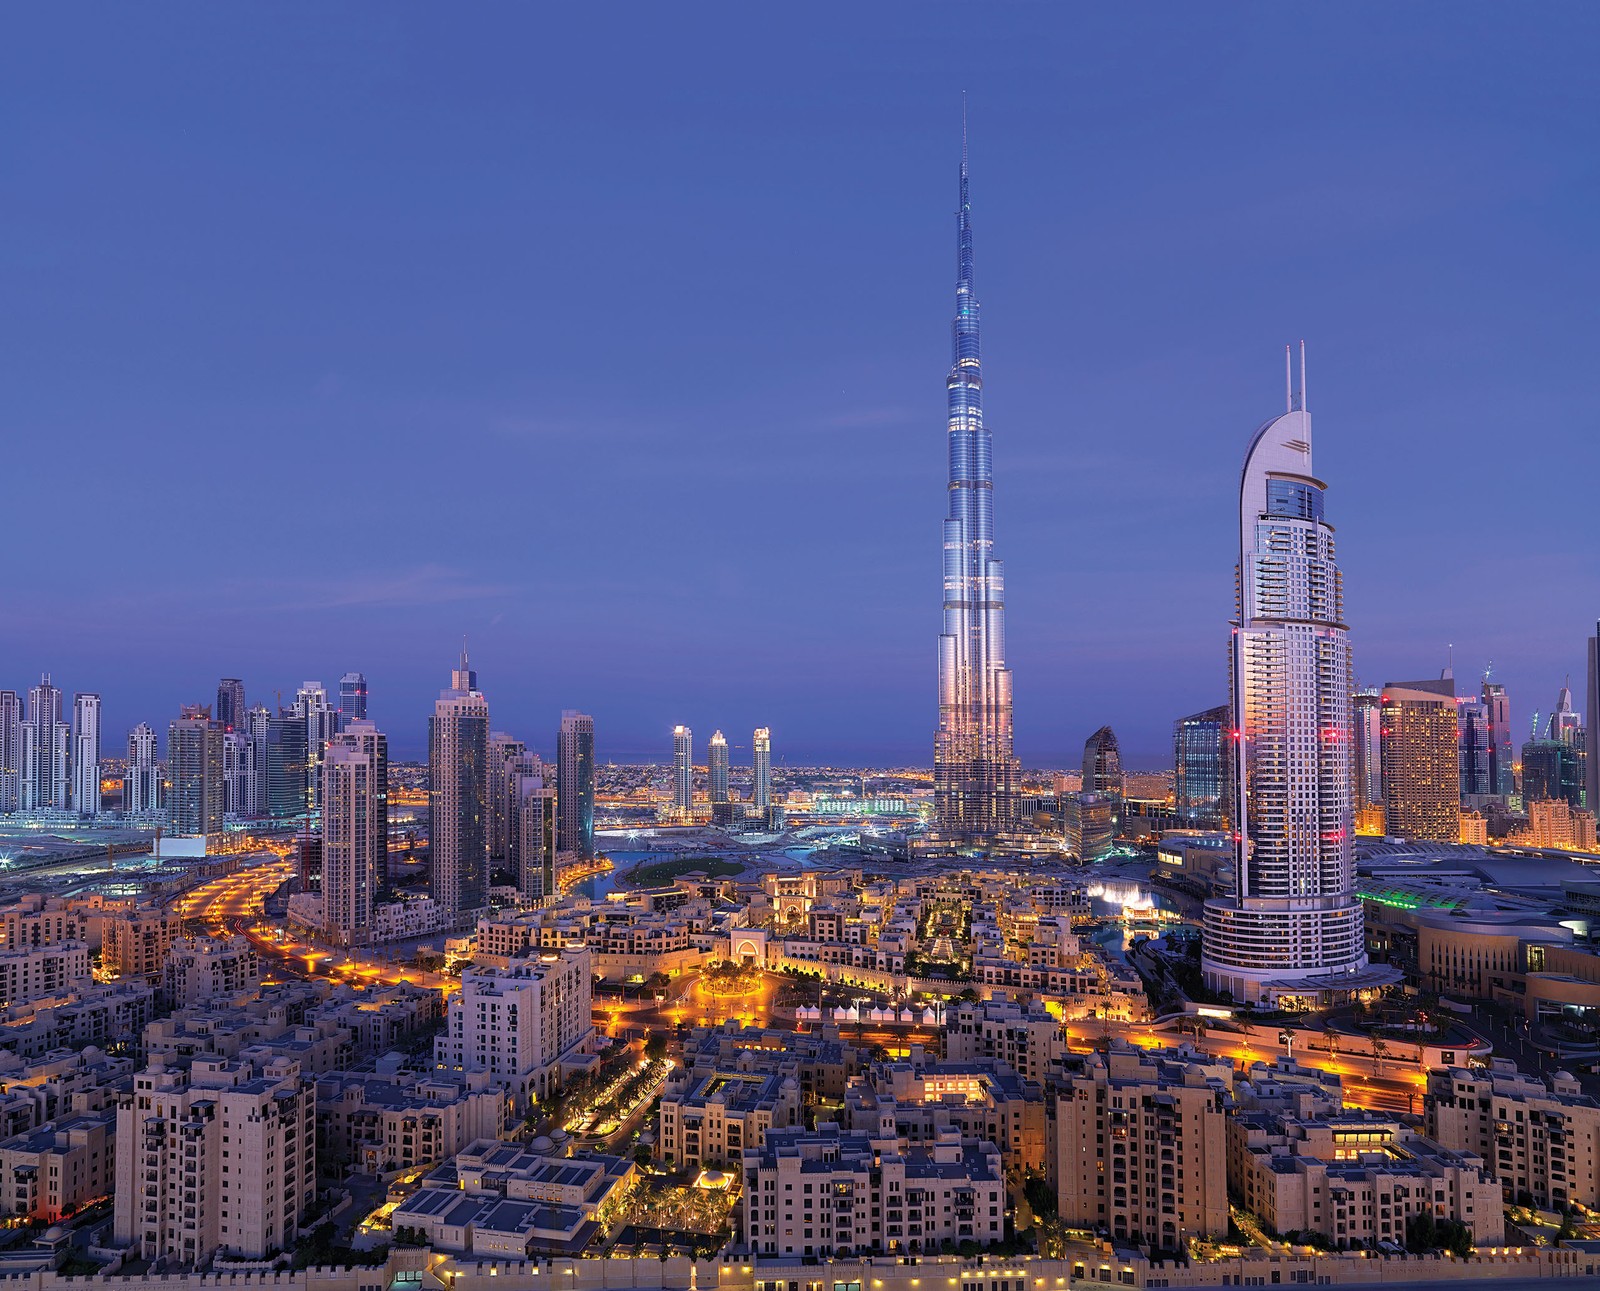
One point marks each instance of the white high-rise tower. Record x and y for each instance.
(86, 754)
(1292, 932)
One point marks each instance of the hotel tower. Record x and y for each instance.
(1292, 931)
(974, 771)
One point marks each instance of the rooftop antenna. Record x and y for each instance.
(1305, 406)
(963, 131)
(1288, 380)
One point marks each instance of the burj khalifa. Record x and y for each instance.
(974, 770)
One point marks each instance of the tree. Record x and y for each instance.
(655, 1046)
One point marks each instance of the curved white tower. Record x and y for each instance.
(1293, 927)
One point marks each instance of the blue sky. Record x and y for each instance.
(615, 337)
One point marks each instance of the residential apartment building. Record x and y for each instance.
(382, 1123)
(136, 943)
(219, 1158)
(42, 972)
(521, 1022)
(1139, 1146)
(199, 969)
(37, 921)
(829, 1192)
(50, 1172)
(1538, 1140)
(1026, 1038)
(1356, 1179)
(93, 1014)
(712, 1114)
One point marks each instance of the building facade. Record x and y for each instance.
(575, 784)
(355, 830)
(717, 768)
(141, 781)
(10, 750)
(458, 787)
(194, 767)
(682, 772)
(46, 783)
(352, 698)
(761, 769)
(86, 754)
(1421, 760)
(1201, 752)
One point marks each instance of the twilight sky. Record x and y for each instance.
(615, 337)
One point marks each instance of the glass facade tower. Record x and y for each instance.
(1293, 930)
(974, 769)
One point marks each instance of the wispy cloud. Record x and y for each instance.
(422, 585)
(868, 418)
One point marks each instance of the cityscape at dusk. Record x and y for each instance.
(534, 756)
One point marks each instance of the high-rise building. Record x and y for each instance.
(1102, 764)
(321, 720)
(761, 769)
(86, 754)
(10, 750)
(230, 704)
(1368, 721)
(352, 697)
(1201, 752)
(974, 768)
(1476, 744)
(717, 767)
(505, 753)
(258, 721)
(355, 829)
(1421, 760)
(194, 766)
(238, 774)
(683, 772)
(284, 778)
(575, 785)
(458, 807)
(1565, 722)
(45, 743)
(1591, 746)
(141, 782)
(1292, 931)
(1502, 771)
(1552, 771)
(536, 829)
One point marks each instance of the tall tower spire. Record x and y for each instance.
(975, 772)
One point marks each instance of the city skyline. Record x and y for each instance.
(1139, 302)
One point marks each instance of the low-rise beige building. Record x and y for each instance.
(52, 1171)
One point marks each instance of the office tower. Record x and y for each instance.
(321, 720)
(519, 1023)
(575, 785)
(352, 697)
(1292, 931)
(284, 779)
(1368, 746)
(141, 782)
(1201, 750)
(458, 786)
(220, 1155)
(761, 769)
(974, 770)
(355, 829)
(1591, 747)
(717, 767)
(683, 772)
(86, 754)
(45, 741)
(194, 765)
(1421, 760)
(536, 829)
(230, 704)
(1552, 771)
(504, 753)
(1564, 723)
(1477, 749)
(1502, 773)
(238, 775)
(1102, 764)
(10, 750)
(258, 721)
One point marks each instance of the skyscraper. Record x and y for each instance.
(1293, 929)
(1552, 771)
(683, 772)
(258, 722)
(1476, 744)
(86, 754)
(1422, 760)
(1102, 764)
(974, 769)
(10, 750)
(141, 782)
(1502, 772)
(717, 768)
(536, 832)
(1591, 745)
(288, 791)
(352, 697)
(458, 809)
(1201, 752)
(230, 704)
(321, 720)
(575, 785)
(238, 774)
(194, 765)
(1369, 747)
(505, 752)
(355, 829)
(45, 741)
(761, 769)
